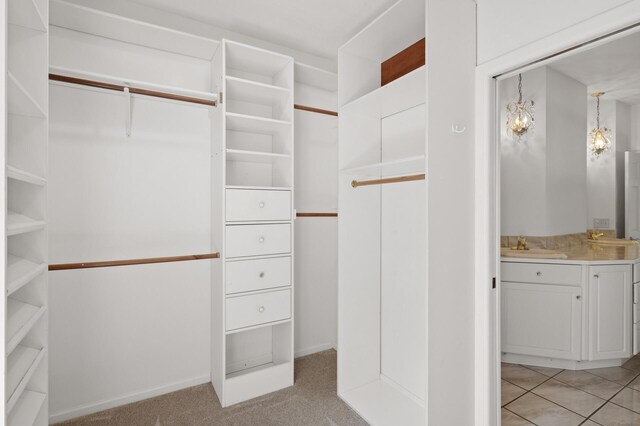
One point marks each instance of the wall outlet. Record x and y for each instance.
(601, 223)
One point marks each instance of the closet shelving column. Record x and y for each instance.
(252, 319)
(26, 238)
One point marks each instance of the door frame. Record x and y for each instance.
(601, 29)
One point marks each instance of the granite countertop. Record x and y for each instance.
(585, 252)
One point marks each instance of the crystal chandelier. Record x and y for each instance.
(520, 114)
(600, 137)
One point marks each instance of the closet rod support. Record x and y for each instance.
(129, 262)
(357, 183)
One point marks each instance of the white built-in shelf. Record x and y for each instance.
(261, 188)
(253, 124)
(21, 365)
(20, 224)
(26, 408)
(24, 176)
(413, 164)
(20, 101)
(254, 156)
(317, 77)
(21, 317)
(255, 327)
(21, 271)
(240, 89)
(26, 13)
(257, 368)
(254, 60)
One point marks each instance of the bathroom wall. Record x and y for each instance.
(543, 176)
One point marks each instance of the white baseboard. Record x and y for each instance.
(94, 407)
(314, 349)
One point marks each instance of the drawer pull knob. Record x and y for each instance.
(261, 205)
(596, 276)
(539, 274)
(261, 309)
(578, 297)
(261, 240)
(261, 274)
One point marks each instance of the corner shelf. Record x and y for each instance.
(26, 408)
(21, 317)
(26, 13)
(21, 271)
(254, 124)
(20, 101)
(240, 89)
(20, 224)
(413, 164)
(24, 176)
(255, 156)
(254, 60)
(21, 365)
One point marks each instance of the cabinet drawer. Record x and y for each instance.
(541, 273)
(256, 309)
(260, 274)
(636, 303)
(249, 205)
(256, 240)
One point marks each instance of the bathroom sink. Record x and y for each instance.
(533, 253)
(610, 241)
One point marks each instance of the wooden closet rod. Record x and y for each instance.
(298, 214)
(138, 91)
(128, 262)
(357, 183)
(318, 110)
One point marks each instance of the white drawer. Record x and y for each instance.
(636, 272)
(260, 274)
(256, 309)
(636, 302)
(256, 240)
(541, 273)
(249, 205)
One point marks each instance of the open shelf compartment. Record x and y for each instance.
(259, 65)
(27, 13)
(26, 408)
(21, 317)
(22, 364)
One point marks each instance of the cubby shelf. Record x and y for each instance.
(24, 176)
(21, 365)
(257, 61)
(26, 408)
(240, 89)
(21, 271)
(20, 224)
(255, 156)
(20, 100)
(413, 164)
(21, 317)
(254, 124)
(271, 188)
(26, 13)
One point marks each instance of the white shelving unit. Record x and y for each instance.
(382, 239)
(26, 390)
(252, 295)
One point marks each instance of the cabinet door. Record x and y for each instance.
(541, 320)
(610, 317)
(636, 315)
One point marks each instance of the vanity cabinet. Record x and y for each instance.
(610, 316)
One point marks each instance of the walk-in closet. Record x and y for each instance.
(216, 212)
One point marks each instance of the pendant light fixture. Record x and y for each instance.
(520, 115)
(600, 137)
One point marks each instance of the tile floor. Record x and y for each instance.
(554, 397)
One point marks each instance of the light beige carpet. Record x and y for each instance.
(311, 401)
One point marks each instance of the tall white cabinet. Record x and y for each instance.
(26, 380)
(252, 184)
(382, 224)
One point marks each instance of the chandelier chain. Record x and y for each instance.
(519, 88)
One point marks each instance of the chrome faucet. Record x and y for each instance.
(595, 235)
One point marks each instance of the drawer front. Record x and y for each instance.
(636, 272)
(636, 303)
(260, 274)
(256, 309)
(249, 205)
(542, 273)
(256, 240)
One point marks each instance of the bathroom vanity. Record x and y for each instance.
(575, 313)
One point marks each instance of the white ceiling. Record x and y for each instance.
(613, 68)
(312, 26)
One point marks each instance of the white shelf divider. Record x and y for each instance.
(24, 176)
(20, 100)
(255, 156)
(270, 188)
(254, 124)
(20, 224)
(21, 317)
(21, 365)
(20, 272)
(413, 164)
(26, 408)
(240, 89)
(26, 13)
